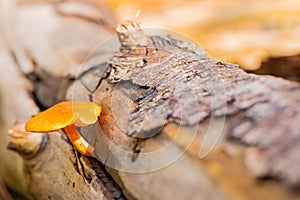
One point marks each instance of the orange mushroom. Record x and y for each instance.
(66, 115)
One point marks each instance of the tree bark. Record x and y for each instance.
(226, 128)
(159, 92)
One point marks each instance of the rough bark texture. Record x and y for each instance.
(157, 90)
(52, 170)
(174, 81)
(167, 87)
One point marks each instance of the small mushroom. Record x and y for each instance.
(67, 115)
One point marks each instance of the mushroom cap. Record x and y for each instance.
(80, 113)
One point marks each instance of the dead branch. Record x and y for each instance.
(158, 90)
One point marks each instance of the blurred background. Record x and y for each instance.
(263, 37)
(253, 34)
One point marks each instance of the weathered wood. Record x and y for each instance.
(159, 91)
(51, 169)
(161, 86)
(35, 36)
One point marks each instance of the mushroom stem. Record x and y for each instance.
(78, 141)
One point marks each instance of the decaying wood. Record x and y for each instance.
(247, 35)
(35, 36)
(12, 108)
(157, 88)
(166, 76)
(52, 172)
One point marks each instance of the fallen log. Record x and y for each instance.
(52, 171)
(178, 125)
(36, 35)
